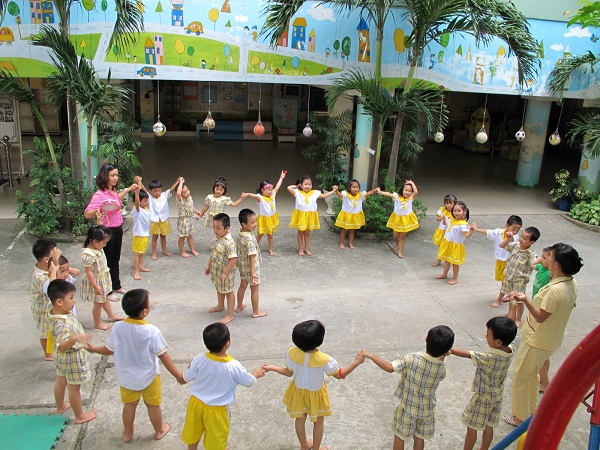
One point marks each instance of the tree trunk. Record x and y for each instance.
(377, 156)
(89, 151)
(74, 139)
(373, 145)
(393, 166)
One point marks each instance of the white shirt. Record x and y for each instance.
(215, 378)
(137, 345)
(70, 279)
(301, 204)
(141, 221)
(309, 368)
(497, 236)
(348, 203)
(159, 207)
(264, 207)
(402, 207)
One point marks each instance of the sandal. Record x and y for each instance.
(113, 298)
(120, 291)
(510, 421)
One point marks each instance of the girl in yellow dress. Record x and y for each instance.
(444, 211)
(403, 219)
(305, 217)
(307, 395)
(452, 248)
(351, 217)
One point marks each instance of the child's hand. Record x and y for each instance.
(181, 180)
(283, 174)
(137, 179)
(445, 220)
(84, 338)
(267, 368)
(364, 354)
(254, 279)
(517, 296)
(360, 358)
(377, 189)
(334, 188)
(99, 217)
(509, 235)
(56, 252)
(98, 290)
(258, 372)
(222, 277)
(244, 195)
(473, 226)
(207, 270)
(53, 269)
(180, 378)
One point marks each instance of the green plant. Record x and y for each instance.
(587, 211)
(567, 188)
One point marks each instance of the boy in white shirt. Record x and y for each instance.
(214, 376)
(141, 230)
(137, 346)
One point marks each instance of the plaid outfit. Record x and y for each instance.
(518, 268)
(420, 375)
(185, 208)
(485, 405)
(246, 247)
(96, 259)
(216, 205)
(72, 364)
(221, 251)
(40, 305)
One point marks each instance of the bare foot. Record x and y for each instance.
(154, 258)
(441, 277)
(195, 253)
(400, 255)
(436, 264)
(47, 357)
(452, 282)
(86, 417)
(308, 252)
(144, 269)
(309, 445)
(102, 326)
(136, 276)
(166, 253)
(495, 304)
(65, 406)
(216, 309)
(301, 253)
(352, 247)
(128, 437)
(342, 247)
(542, 389)
(225, 320)
(272, 253)
(256, 315)
(185, 255)
(165, 429)
(240, 308)
(395, 248)
(115, 318)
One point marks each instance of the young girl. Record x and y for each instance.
(97, 284)
(305, 217)
(452, 248)
(216, 202)
(185, 226)
(444, 211)
(351, 217)
(403, 219)
(307, 393)
(268, 218)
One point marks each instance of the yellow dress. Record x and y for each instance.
(351, 217)
(403, 219)
(452, 247)
(305, 215)
(268, 218)
(439, 232)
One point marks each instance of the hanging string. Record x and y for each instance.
(158, 96)
(308, 106)
(560, 115)
(209, 96)
(524, 109)
(259, 99)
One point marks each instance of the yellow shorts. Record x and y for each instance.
(210, 421)
(161, 227)
(139, 244)
(151, 393)
(500, 266)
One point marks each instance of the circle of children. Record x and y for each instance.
(137, 345)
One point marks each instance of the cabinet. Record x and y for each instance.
(29, 122)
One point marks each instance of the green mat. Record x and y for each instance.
(31, 432)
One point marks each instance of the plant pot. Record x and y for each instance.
(329, 202)
(564, 204)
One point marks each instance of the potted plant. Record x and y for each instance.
(567, 190)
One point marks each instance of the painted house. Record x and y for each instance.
(312, 41)
(364, 44)
(299, 33)
(177, 13)
(159, 49)
(149, 52)
(35, 9)
(47, 12)
(284, 38)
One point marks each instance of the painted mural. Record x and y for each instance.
(221, 40)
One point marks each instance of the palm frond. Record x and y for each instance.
(586, 127)
(278, 14)
(129, 24)
(559, 77)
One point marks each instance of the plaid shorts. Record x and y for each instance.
(407, 426)
(185, 226)
(517, 285)
(481, 411)
(74, 366)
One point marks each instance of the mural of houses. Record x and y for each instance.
(364, 44)
(35, 8)
(283, 40)
(299, 33)
(149, 52)
(177, 13)
(47, 12)
(312, 41)
(159, 49)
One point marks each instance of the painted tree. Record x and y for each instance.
(213, 15)
(179, 48)
(336, 47)
(190, 51)
(158, 10)
(347, 46)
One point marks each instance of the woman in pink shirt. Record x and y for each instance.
(107, 182)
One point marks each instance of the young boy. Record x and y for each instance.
(420, 376)
(248, 262)
(512, 225)
(483, 411)
(137, 346)
(70, 354)
(214, 376)
(221, 265)
(43, 251)
(518, 267)
(158, 206)
(185, 226)
(141, 230)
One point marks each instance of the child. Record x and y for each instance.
(513, 225)
(305, 217)
(96, 283)
(444, 211)
(248, 262)
(221, 265)
(351, 217)
(403, 219)
(137, 346)
(452, 248)
(542, 278)
(216, 202)
(214, 376)
(518, 267)
(70, 354)
(141, 230)
(483, 411)
(43, 251)
(307, 393)
(158, 206)
(268, 218)
(420, 376)
(185, 226)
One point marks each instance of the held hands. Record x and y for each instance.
(509, 235)
(360, 358)
(100, 216)
(364, 354)
(137, 179)
(473, 226)
(181, 180)
(179, 378)
(98, 290)
(517, 297)
(259, 372)
(267, 368)
(334, 188)
(244, 195)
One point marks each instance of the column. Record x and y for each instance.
(532, 147)
(83, 133)
(345, 103)
(589, 173)
(362, 142)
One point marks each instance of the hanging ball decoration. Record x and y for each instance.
(159, 128)
(259, 129)
(481, 137)
(209, 122)
(554, 138)
(438, 137)
(520, 135)
(307, 130)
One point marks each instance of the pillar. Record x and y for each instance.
(589, 173)
(364, 125)
(94, 166)
(532, 147)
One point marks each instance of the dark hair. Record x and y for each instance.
(514, 220)
(96, 233)
(568, 258)
(308, 335)
(461, 203)
(143, 194)
(301, 180)
(154, 184)
(244, 215)
(102, 177)
(449, 197)
(58, 289)
(134, 302)
(42, 248)
(220, 181)
(349, 183)
(439, 340)
(262, 185)
(406, 183)
(223, 218)
(62, 260)
(503, 328)
(547, 250)
(216, 336)
(534, 232)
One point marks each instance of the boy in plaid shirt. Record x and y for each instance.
(248, 262)
(483, 411)
(420, 375)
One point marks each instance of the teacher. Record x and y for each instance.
(543, 331)
(105, 206)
